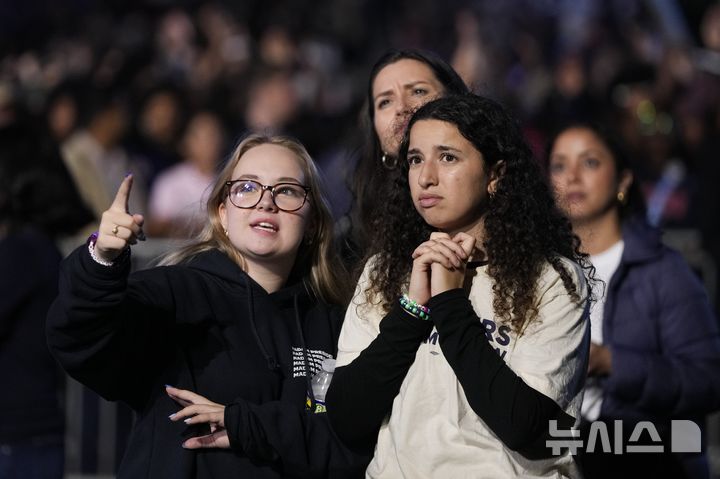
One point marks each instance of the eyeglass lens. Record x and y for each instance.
(286, 196)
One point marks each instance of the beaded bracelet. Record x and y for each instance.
(415, 309)
(91, 247)
(93, 254)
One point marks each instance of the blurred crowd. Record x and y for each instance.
(164, 88)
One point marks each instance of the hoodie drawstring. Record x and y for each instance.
(272, 364)
(308, 380)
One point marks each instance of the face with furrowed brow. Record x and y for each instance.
(398, 90)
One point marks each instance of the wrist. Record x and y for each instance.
(414, 308)
(98, 258)
(93, 251)
(418, 298)
(442, 289)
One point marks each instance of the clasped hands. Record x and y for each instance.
(439, 265)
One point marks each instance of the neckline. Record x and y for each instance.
(477, 264)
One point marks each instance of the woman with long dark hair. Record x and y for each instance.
(400, 82)
(655, 352)
(485, 350)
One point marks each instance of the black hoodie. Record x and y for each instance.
(208, 327)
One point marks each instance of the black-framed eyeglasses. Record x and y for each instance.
(248, 193)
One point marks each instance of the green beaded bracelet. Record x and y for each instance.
(414, 309)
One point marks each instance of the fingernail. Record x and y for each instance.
(141, 236)
(172, 415)
(188, 420)
(128, 174)
(184, 446)
(169, 386)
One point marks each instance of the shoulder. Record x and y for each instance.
(364, 281)
(74, 143)
(649, 259)
(668, 273)
(369, 266)
(167, 181)
(364, 306)
(551, 277)
(200, 267)
(361, 322)
(559, 311)
(671, 260)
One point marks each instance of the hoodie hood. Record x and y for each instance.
(216, 263)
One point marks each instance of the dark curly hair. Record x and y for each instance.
(523, 228)
(370, 177)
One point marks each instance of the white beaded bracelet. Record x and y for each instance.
(93, 255)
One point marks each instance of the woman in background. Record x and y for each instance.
(401, 81)
(655, 352)
(179, 193)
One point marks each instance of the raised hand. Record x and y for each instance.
(444, 278)
(440, 249)
(200, 410)
(118, 228)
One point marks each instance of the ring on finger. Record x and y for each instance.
(115, 230)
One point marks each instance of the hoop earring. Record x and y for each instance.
(621, 197)
(388, 161)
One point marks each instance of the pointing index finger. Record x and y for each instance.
(120, 203)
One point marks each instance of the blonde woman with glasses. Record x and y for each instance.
(245, 315)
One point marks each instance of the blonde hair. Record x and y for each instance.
(316, 262)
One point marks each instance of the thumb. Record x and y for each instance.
(466, 242)
(120, 203)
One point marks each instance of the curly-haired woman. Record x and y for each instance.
(488, 345)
